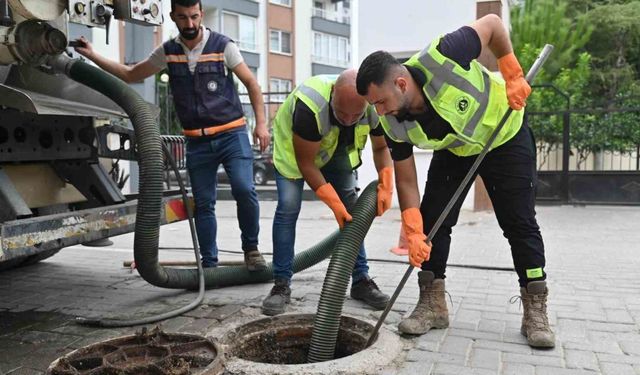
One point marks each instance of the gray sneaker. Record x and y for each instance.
(279, 296)
(254, 261)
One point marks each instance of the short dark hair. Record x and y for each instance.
(374, 69)
(185, 3)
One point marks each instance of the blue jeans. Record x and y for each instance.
(233, 150)
(284, 221)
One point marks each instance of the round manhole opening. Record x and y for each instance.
(286, 339)
(155, 352)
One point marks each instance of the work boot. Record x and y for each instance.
(431, 310)
(367, 291)
(535, 323)
(279, 296)
(254, 260)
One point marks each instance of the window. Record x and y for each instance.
(277, 85)
(331, 49)
(286, 3)
(318, 9)
(280, 41)
(242, 29)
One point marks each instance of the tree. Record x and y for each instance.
(615, 49)
(536, 23)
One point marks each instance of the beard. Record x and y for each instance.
(190, 33)
(403, 112)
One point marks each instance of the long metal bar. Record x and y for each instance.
(546, 51)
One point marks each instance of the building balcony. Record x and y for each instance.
(329, 61)
(343, 17)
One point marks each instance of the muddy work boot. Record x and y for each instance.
(254, 260)
(535, 323)
(279, 296)
(368, 292)
(431, 310)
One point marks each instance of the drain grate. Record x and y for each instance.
(146, 353)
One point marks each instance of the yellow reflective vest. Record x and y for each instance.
(315, 92)
(473, 101)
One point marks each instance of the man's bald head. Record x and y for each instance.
(347, 105)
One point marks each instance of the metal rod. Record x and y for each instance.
(546, 51)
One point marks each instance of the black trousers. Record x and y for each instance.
(509, 175)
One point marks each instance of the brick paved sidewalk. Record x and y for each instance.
(592, 263)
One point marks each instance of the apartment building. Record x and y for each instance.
(282, 41)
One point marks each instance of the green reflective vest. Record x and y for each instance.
(315, 92)
(473, 101)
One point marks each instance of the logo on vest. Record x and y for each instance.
(462, 104)
(212, 86)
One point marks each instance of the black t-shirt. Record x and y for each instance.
(305, 126)
(461, 46)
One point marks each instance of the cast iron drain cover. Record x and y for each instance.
(146, 353)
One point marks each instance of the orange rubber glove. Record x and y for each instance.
(518, 88)
(385, 189)
(328, 195)
(419, 249)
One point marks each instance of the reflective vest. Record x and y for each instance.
(315, 92)
(208, 97)
(473, 101)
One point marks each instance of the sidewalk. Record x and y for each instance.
(592, 262)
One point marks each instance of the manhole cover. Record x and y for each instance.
(147, 353)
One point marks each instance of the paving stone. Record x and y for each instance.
(610, 368)
(224, 312)
(492, 326)
(502, 346)
(426, 356)
(580, 359)
(546, 370)
(509, 368)
(456, 345)
(475, 335)
(448, 369)
(532, 359)
(630, 347)
(633, 360)
(485, 358)
(413, 368)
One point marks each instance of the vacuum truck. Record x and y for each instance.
(62, 144)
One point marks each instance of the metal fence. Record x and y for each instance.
(589, 155)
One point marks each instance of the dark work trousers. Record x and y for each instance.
(509, 174)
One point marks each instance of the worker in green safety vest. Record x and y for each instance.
(443, 99)
(319, 133)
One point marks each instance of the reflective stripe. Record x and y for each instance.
(400, 130)
(312, 94)
(176, 58)
(324, 156)
(456, 143)
(212, 130)
(444, 74)
(322, 105)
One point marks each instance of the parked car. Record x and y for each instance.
(263, 170)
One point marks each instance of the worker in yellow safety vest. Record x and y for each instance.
(443, 99)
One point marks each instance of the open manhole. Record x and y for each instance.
(279, 345)
(153, 353)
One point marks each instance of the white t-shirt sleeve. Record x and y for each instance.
(232, 55)
(158, 58)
